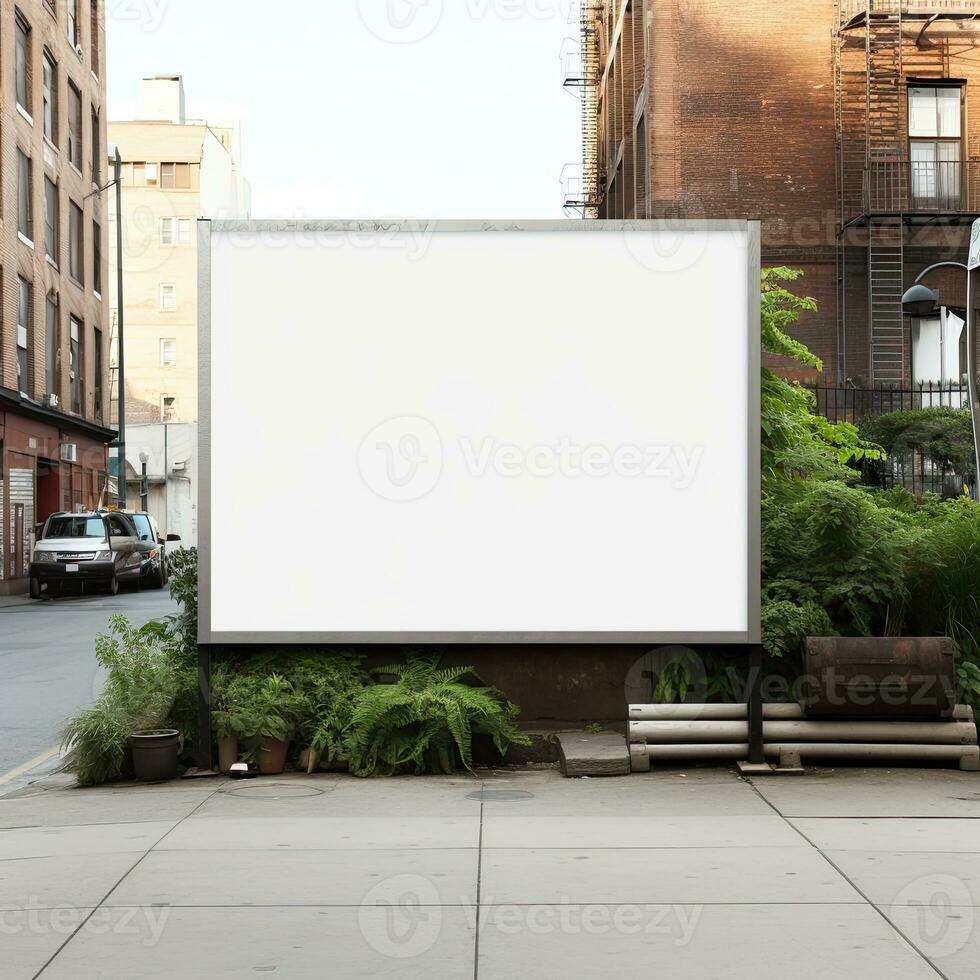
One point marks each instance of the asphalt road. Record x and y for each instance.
(47, 664)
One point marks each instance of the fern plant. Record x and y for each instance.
(425, 721)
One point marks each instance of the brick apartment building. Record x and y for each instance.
(844, 125)
(54, 344)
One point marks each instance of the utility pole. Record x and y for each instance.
(120, 345)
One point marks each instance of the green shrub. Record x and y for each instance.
(425, 721)
(833, 563)
(943, 435)
(143, 684)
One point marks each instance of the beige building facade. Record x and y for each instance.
(174, 171)
(54, 310)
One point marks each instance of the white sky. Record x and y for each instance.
(369, 108)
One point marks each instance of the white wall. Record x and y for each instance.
(171, 450)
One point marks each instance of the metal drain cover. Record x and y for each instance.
(275, 791)
(500, 795)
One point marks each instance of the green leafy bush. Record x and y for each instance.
(943, 435)
(143, 683)
(425, 721)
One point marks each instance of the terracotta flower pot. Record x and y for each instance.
(227, 752)
(272, 756)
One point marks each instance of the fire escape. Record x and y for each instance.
(584, 195)
(880, 44)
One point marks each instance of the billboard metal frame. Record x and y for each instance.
(206, 634)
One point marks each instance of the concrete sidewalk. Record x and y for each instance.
(846, 873)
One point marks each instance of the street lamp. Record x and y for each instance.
(920, 300)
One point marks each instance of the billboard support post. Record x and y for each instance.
(203, 753)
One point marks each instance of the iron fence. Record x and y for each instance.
(911, 469)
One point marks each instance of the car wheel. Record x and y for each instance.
(35, 588)
(113, 585)
(156, 578)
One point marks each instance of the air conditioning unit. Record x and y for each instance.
(50, 400)
(69, 452)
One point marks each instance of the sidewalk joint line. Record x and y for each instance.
(898, 932)
(125, 875)
(479, 872)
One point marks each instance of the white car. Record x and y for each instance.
(94, 551)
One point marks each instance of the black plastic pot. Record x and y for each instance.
(155, 755)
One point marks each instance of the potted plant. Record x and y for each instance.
(271, 713)
(155, 754)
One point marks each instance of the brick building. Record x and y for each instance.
(54, 343)
(843, 125)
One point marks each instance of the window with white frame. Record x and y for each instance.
(168, 297)
(175, 231)
(168, 352)
(935, 136)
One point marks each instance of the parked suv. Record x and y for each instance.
(95, 550)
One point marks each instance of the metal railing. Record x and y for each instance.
(849, 9)
(845, 404)
(900, 186)
(910, 469)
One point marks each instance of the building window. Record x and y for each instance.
(51, 219)
(96, 148)
(175, 231)
(50, 109)
(23, 336)
(168, 297)
(72, 7)
(23, 62)
(150, 173)
(76, 261)
(175, 176)
(75, 367)
(168, 408)
(168, 353)
(97, 257)
(51, 347)
(935, 146)
(94, 36)
(25, 211)
(97, 338)
(75, 126)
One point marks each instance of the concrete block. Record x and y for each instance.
(587, 754)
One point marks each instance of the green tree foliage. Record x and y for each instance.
(796, 442)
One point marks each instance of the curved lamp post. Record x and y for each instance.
(919, 300)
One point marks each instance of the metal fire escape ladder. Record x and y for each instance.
(885, 235)
(591, 189)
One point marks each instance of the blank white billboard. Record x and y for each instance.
(463, 432)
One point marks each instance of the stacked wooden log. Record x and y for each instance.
(685, 733)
